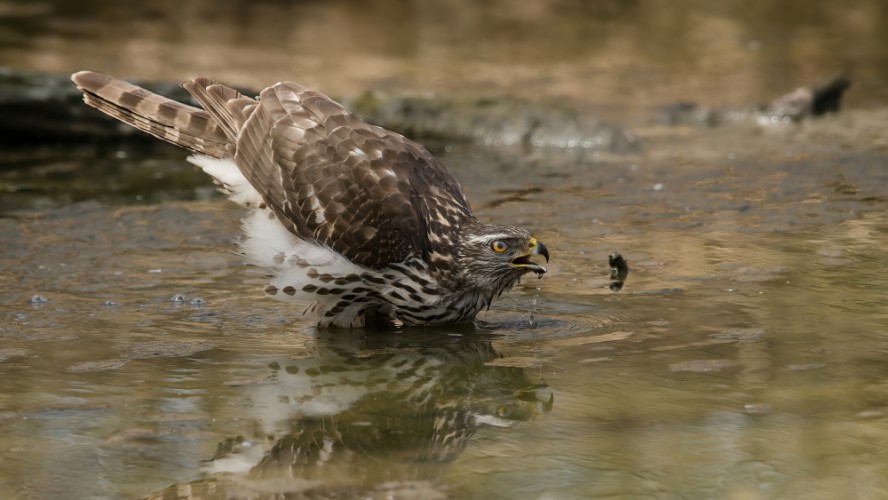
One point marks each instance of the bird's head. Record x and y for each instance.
(495, 257)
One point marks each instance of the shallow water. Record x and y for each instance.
(743, 358)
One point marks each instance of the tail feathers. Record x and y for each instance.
(186, 126)
(224, 104)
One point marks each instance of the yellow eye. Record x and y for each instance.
(499, 246)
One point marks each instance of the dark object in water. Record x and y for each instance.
(799, 104)
(816, 101)
(828, 96)
(619, 270)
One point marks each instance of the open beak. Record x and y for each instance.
(524, 262)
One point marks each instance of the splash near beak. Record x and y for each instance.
(524, 262)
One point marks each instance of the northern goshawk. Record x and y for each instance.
(357, 223)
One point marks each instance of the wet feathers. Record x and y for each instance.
(356, 222)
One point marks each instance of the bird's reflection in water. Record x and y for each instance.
(389, 408)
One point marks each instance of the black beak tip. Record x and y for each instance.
(542, 250)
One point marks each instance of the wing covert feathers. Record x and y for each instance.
(369, 194)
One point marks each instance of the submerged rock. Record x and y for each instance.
(495, 121)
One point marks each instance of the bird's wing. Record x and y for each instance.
(370, 194)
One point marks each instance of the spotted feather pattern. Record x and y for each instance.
(352, 220)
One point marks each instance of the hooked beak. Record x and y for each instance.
(524, 262)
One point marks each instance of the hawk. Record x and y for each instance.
(358, 224)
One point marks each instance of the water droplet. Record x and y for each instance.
(536, 300)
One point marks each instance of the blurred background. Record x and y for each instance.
(621, 56)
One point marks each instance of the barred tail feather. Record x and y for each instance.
(224, 104)
(171, 121)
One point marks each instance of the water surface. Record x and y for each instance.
(743, 356)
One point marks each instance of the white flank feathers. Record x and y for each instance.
(227, 175)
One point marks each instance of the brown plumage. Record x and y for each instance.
(351, 203)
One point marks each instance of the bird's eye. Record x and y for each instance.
(499, 246)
